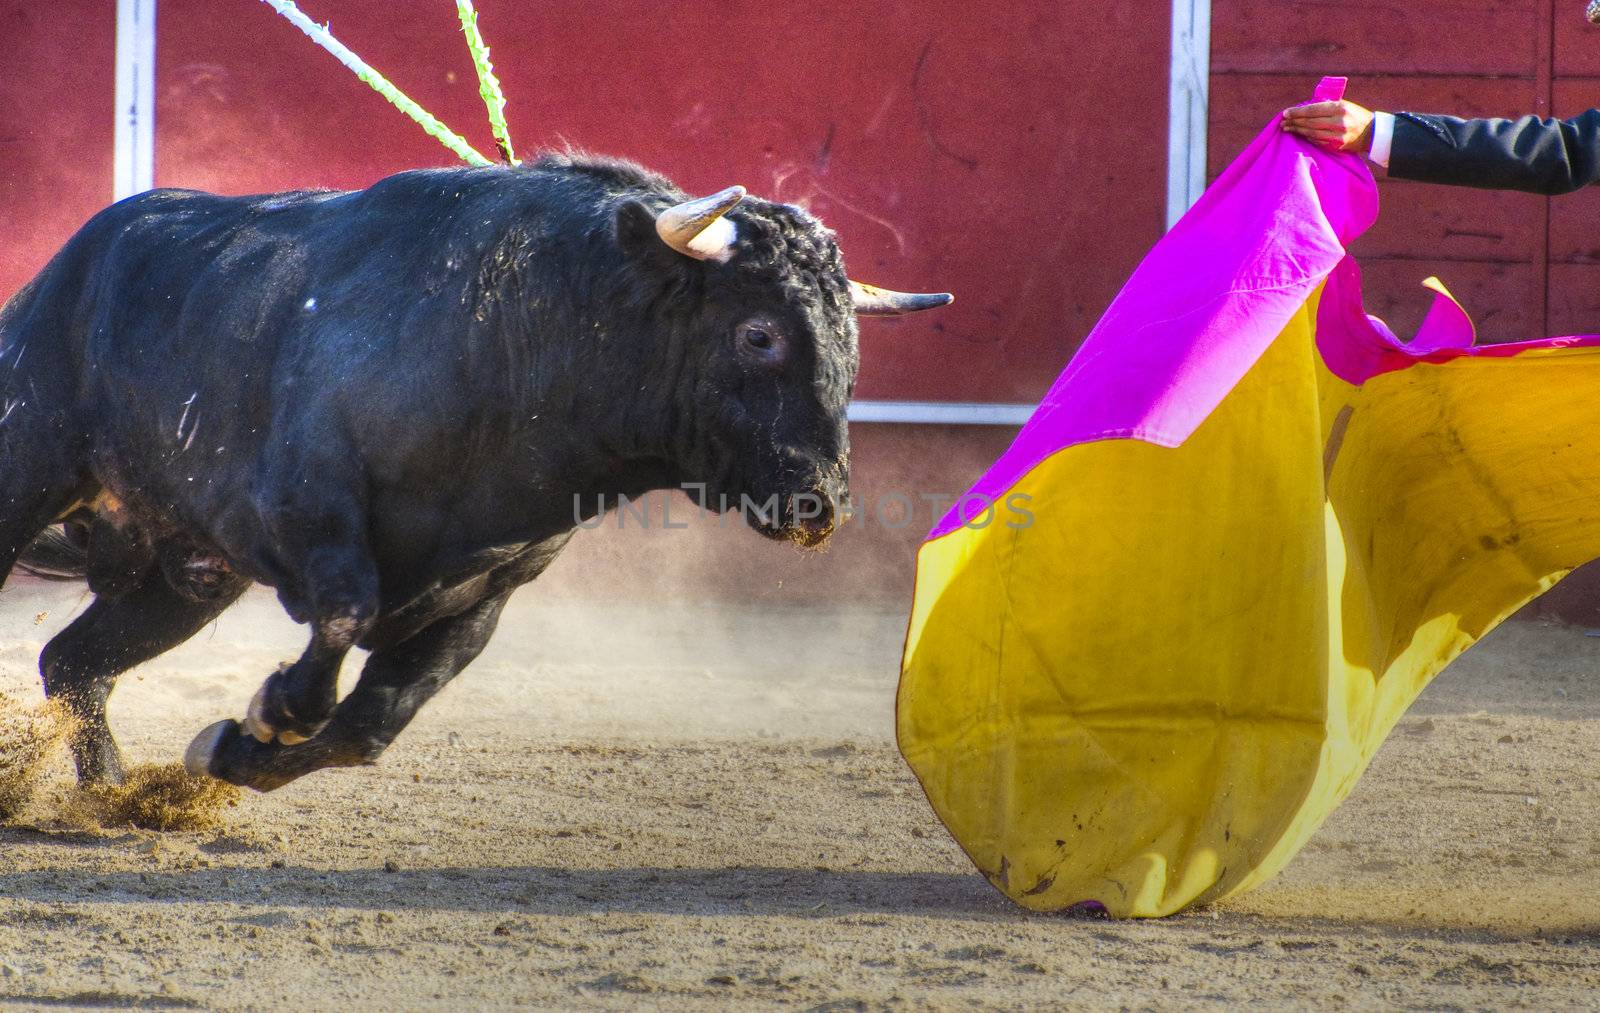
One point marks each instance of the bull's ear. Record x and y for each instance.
(636, 234)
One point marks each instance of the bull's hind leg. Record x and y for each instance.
(36, 488)
(80, 666)
(43, 447)
(395, 683)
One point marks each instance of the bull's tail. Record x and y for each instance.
(54, 555)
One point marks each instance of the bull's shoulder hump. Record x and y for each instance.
(192, 200)
(559, 177)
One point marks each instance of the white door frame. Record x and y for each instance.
(134, 159)
(1188, 103)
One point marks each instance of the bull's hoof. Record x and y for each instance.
(267, 723)
(198, 757)
(226, 752)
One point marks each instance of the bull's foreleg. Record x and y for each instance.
(81, 664)
(329, 580)
(395, 683)
(295, 702)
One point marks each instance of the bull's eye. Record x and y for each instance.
(760, 340)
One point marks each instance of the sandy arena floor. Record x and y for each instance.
(697, 808)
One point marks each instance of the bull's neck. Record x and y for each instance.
(565, 460)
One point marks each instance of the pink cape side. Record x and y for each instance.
(1213, 294)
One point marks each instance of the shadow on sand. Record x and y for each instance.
(531, 890)
(727, 892)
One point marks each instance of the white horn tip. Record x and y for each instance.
(716, 242)
(697, 229)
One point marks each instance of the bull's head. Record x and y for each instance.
(774, 331)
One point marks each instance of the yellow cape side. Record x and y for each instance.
(1154, 693)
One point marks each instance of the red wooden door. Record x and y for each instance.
(1448, 56)
(1575, 220)
(1524, 266)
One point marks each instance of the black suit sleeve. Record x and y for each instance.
(1532, 154)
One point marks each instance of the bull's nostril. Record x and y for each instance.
(810, 535)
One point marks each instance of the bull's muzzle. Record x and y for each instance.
(812, 519)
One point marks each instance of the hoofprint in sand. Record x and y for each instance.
(695, 805)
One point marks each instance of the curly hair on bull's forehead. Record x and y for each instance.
(787, 246)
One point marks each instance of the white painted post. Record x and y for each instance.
(134, 163)
(1188, 101)
(943, 413)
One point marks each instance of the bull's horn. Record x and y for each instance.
(872, 301)
(696, 227)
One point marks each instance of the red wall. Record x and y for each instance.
(56, 93)
(1014, 154)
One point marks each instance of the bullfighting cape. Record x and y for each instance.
(1161, 638)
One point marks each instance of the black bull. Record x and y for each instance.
(386, 404)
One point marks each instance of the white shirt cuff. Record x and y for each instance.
(1382, 138)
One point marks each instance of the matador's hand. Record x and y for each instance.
(1339, 126)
